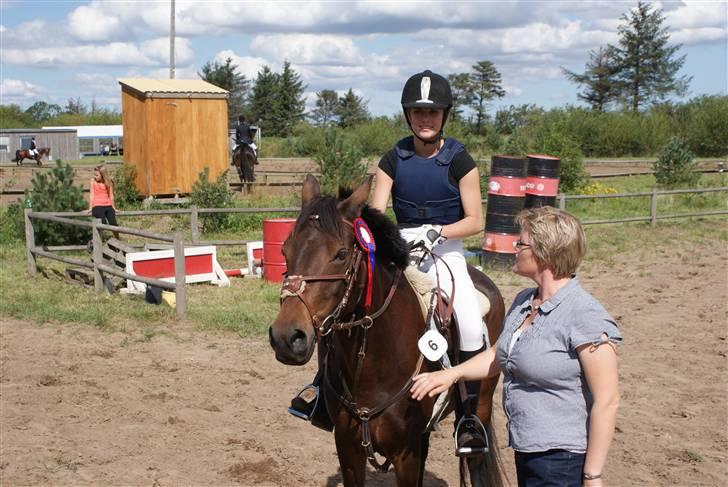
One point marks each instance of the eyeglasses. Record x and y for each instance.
(520, 245)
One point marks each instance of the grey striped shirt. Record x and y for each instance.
(545, 394)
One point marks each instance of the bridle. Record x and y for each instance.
(295, 285)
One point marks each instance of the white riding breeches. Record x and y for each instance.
(467, 310)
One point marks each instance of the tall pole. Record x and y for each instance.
(171, 42)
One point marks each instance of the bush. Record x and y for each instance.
(125, 191)
(12, 223)
(675, 166)
(54, 191)
(209, 194)
(339, 162)
(706, 125)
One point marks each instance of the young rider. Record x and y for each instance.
(435, 188)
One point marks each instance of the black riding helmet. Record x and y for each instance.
(427, 90)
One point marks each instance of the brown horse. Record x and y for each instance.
(368, 355)
(244, 159)
(21, 154)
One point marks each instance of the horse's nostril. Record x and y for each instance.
(298, 341)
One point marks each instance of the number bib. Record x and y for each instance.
(432, 345)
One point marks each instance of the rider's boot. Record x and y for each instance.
(471, 437)
(310, 405)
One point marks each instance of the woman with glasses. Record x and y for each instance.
(558, 357)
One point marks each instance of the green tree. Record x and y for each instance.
(601, 86)
(327, 102)
(75, 107)
(462, 94)
(351, 110)
(289, 101)
(515, 117)
(55, 191)
(212, 194)
(339, 162)
(262, 99)
(675, 166)
(485, 83)
(225, 75)
(647, 64)
(13, 117)
(42, 111)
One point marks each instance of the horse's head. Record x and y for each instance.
(319, 257)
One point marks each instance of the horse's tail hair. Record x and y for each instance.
(491, 472)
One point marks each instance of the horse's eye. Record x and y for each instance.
(340, 255)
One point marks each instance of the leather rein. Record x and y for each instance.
(295, 285)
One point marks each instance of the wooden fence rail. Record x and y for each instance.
(97, 263)
(178, 242)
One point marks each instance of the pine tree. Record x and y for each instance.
(225, 76)
(289, 104)
(462, 94)
(647, 64)
(601, 86)
(325, 112)
(262, 100)
(351, 110)
(485, 83)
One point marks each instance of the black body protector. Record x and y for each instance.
(427, 90)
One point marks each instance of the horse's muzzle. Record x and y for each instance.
(292, 345)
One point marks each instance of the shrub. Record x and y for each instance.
(125, 191)
(675, 166)
(12, 223)
(339, 162)
(54, 191)
(209, 194)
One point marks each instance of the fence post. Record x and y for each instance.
(653, 207)
(179, 276)
(194, 228)
(97, 255)
(30, 242)
(562, 201)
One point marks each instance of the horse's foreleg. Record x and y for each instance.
(352, 458)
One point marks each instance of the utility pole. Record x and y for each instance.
(171, 42)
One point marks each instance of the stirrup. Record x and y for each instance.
(305, 402)
(476, 442)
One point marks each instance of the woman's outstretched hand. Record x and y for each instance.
(432, 383)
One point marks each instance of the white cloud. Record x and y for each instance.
(158, 50)
(247, 65)
(113, 54)
(18, 90)
(88, 23)
(308, 49)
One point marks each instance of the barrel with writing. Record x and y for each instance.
(506, 197)
(542, 182)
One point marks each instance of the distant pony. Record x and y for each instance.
(245, 159)
(21, 154)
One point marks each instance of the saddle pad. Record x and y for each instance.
(423, 286)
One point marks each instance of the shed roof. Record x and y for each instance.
(173, 88)
(93, 130)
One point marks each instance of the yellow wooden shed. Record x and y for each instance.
(173, 129)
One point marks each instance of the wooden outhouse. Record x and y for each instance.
(173, 129)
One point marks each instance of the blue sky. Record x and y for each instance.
(53, 51)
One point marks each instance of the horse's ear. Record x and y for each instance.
(311, 190)
(351, 206)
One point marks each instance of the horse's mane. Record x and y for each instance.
(391, 247)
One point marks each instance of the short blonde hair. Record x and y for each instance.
(557, 238)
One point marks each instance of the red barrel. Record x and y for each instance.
(507, 176)
(542, 183)
(506, 197)
(275, 232)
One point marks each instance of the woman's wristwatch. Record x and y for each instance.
(589, 476)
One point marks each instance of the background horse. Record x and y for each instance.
(368, 355)
(244, 159)
(21, 154)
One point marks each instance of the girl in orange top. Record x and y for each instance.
(101, 197)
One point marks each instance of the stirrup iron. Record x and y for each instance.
(305, 402)
(472, 422)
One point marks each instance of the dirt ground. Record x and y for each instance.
(82, 407)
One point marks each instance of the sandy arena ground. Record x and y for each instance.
(83, 407)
